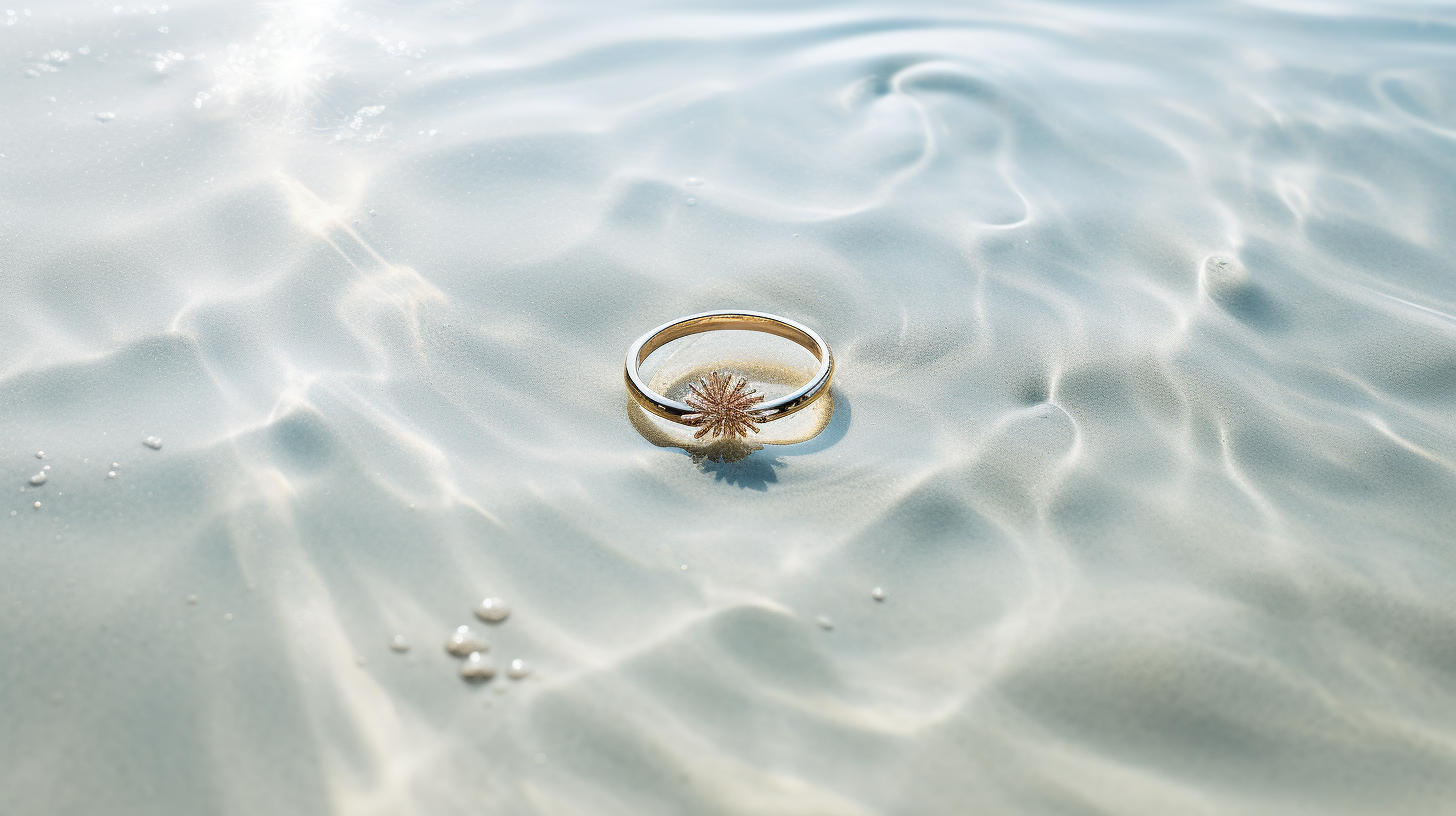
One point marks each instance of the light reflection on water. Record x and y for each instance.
(1145, 315)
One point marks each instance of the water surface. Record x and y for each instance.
(1145, 326)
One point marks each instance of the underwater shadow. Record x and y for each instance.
(749, 473)
(1254, 306)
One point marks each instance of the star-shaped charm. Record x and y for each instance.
(723, 404)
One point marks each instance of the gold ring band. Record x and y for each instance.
(722, 403)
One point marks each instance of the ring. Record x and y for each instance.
(722, 404)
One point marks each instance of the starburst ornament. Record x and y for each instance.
(723, 403)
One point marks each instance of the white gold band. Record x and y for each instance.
(732, 319)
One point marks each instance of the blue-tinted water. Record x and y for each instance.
(1145, 323)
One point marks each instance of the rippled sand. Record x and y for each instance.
(1143, 419)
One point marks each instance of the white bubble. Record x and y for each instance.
(153, 442)
(493, 610)
(111, 474)
(40, 454)
(877, 593)
(518, 669)
(824, 622)
(465, 642)
(399, 644)
(115, 465)
(477, 668)
(38, 479)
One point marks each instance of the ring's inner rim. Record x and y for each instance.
(770, 378)
(734, 321)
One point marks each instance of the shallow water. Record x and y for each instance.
(1143, 420)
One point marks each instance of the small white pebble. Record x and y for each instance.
(877, 593)
(38, 479)
(493, 610)
(155, 443)
(37, 505)
(399, 644)
(464, 642)
(824, 622)
(192, 599)
(115, 465)
(111, 474)
(477, 668)
(40, 454)
(518, 669)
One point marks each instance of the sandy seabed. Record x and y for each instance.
(1144, 418)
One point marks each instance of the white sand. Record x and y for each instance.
(1158, 534)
